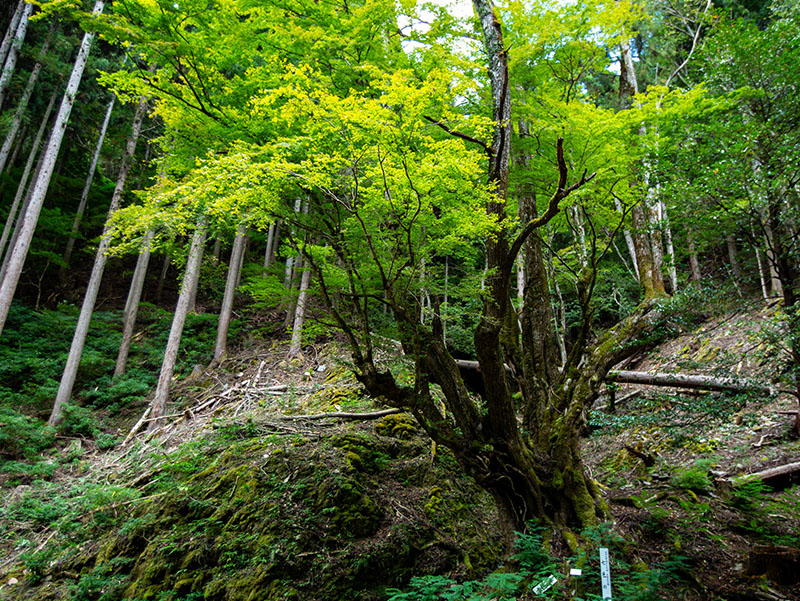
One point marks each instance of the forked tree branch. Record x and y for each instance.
(552, 207)
(459, 134)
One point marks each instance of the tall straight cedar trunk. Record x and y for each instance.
(11, 31)
(13, 52)
(158, 405)
(84, 319)
(132, 304)
(26, 172)
(28, 194)
(87, 186)
(269, 253)
(16, 120)
(237, 254)
(300, 311)
(20, 249)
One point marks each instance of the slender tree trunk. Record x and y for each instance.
(84, 319)
(11, 60)
(654, 225)
(23, 182)
(730, 243)
(73, 235)
(230, 293)
(215, 252)
(647, 253)
(761, 275)
(293, 275)
(132, 304)
(269, 255)
(12, 160)
(629, 242)
(579, 234)
(159, 403)
(776, 288)
(288, 274)
(20, 250)
(193, 294)
(22, 106)
(671, 269)
(11, 31)
(162, 277)
(300, 312)
(21, 217)
(242, 260)
(694, 265)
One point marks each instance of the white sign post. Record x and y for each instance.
(544, 585)
(605, 573)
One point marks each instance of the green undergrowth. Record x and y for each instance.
(674, 466)
(253, 511)
(534, 573)
(33, 352)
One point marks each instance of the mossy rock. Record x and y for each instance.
(398, 425)
(251, 520)
(362, 453)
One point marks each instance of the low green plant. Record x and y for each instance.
(22, 437)
(746, 496)
(695, 477)
(539, 574)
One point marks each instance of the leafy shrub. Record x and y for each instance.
(22, 437)
(78, 421)
(695, 477)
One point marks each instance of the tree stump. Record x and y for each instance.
(779, 564)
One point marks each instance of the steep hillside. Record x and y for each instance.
(250, 493)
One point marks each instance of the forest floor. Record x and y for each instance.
(667, 460)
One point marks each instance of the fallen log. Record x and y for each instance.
(777, 477)
(344, 415)
(475, 365)
(690, 381)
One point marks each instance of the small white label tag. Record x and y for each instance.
(544, 585)
(575, 572)
(605, 573)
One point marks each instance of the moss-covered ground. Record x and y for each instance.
(254, 512)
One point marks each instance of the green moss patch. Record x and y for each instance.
(331, 517)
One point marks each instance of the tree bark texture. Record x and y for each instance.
(132, 304)
(84, 319)
(22, 106)
(269, 254)
(300, 312)
(694, 382)
(23, 182)
(13, 52)
(226, 310)
(11, 31)
(190, 277)
(20, 249)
